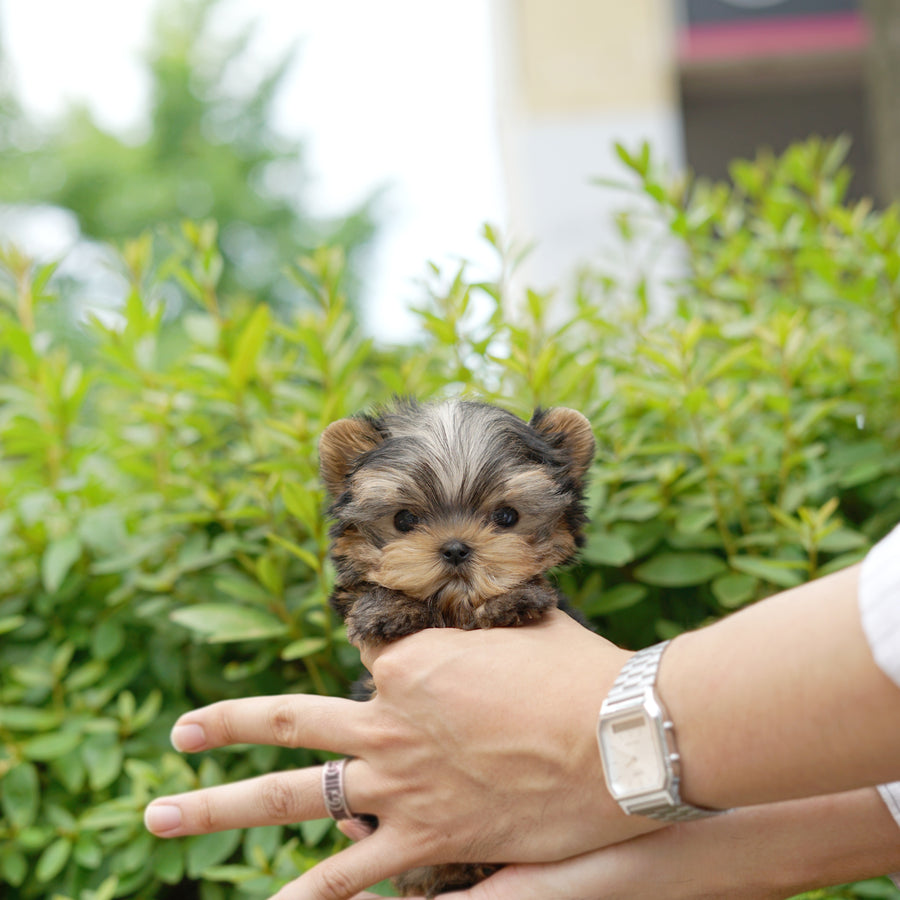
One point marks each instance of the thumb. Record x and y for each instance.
(344, 875)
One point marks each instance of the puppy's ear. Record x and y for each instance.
(340, 446)
(567, 430)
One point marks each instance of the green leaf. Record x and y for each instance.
(734, 589)
(603, 549)
(242, 588)
(133, 855)
(107, 639)
(60, 818)
(248, 347)
(147, 711)
(107, 889)
(11, 623)
(59, 557)
(622, 596)
(638, 510)
(88, 851)
(233, 874)
(20, 795)
(667, 630)
(680, 569)
(264, 840)
(168, 862)
(693, 521)
(842, 561)
(112, 814)
(103, 530)
(27, 718)
(872, 889)
(102, 755)
(207, 850)
(314, 830)
(862, 472)
(843, 540)
(51, 746)
(304, 647)
(440, 328)
(69, 770)
(53, 859)
(221, 623)
(13, 865)
(203, 329)
(786, 573)
(84, 676)
(269, 572)
(300, 552)
(301, 503)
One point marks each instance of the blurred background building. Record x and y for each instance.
(704, 81)
(399, 126)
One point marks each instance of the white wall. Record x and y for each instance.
(574, 77)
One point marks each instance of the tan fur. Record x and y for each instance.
(354, 545)
(500, 562)
(579, 436)
(341, 443)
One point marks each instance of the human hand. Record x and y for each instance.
(755, 853)
(479, 747)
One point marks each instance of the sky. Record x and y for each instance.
(393, 95)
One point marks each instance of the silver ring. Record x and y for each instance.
(333, 789)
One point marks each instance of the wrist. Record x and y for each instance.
(598, 676)
(755, 697)
(637, 743)
(679, 680)
(592, 668)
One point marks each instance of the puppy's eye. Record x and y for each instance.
(405, 520)
(505, 517)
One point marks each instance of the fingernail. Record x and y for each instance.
(188, 737)
(161, 818)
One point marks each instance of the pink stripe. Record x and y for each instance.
(773, 37)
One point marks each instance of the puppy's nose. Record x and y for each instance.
(455, 552)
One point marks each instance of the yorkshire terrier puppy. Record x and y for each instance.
(449, 515)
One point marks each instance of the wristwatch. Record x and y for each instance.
(637, 745)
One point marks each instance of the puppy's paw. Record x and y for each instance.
(381, 616)
(518, 607)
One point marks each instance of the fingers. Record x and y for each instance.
(343, 876)
(289, 720)
(281, 798)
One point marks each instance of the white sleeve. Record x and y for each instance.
(879, 606)
(890, 793)
(879, 603)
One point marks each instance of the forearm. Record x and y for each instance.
(757, 853)
(782, 700)
(778, 850)
(771, 851)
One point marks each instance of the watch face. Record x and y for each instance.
(632, 755)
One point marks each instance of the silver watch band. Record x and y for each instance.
(637, 674)
(682, 812)
(636, 677)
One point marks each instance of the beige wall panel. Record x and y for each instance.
(581, 55)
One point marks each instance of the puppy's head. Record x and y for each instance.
(455, 502)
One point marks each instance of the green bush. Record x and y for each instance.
(162, 538)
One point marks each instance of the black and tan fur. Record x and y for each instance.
(450, 515)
